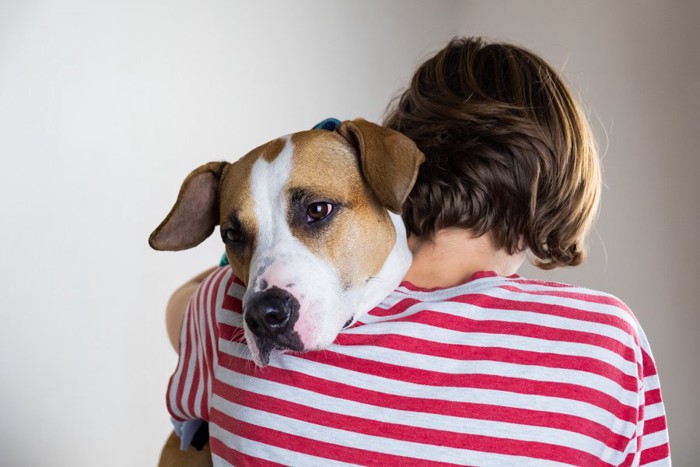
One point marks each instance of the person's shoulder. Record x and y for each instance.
(605, 306)
(539, 286)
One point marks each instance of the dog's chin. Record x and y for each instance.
(262, 349)
(261, 353)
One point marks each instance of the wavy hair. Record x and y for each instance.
(509, 151)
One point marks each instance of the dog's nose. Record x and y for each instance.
(272, 314)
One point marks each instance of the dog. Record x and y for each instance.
(311, 225)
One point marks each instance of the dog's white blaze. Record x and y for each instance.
(268, 180)
(281, 260)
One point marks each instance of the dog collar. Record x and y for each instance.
(329, 124)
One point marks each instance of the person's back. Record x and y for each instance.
(512, 170)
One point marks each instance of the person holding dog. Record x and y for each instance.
(467, 362)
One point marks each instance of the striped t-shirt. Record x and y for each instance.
(497, 371)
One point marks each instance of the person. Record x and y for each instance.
(466, 362)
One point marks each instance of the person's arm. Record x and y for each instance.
(191, 324)
(175, 311)
(653, 428)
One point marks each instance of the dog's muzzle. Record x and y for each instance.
(270, 315)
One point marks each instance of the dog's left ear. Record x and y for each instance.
(389, 160)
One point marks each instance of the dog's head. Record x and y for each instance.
(311, 226)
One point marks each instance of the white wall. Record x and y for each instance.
(106, 106)
(636, 66)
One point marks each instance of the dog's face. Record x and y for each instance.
(306, 234)
(306, 227)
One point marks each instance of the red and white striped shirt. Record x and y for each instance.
(497, 371)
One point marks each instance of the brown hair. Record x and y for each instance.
(509, 152)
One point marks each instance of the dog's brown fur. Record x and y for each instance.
(172, 456)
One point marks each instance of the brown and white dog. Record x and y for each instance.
(311, 226)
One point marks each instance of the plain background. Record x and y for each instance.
(106, 106)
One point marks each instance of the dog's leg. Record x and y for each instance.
(173, 456)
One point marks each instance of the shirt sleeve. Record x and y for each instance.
(189, 390)
(652, 432)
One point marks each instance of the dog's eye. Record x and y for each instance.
(232, 235)
(318, 211)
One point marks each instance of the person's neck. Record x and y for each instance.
(453, 256)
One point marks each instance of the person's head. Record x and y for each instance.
(509, 152)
